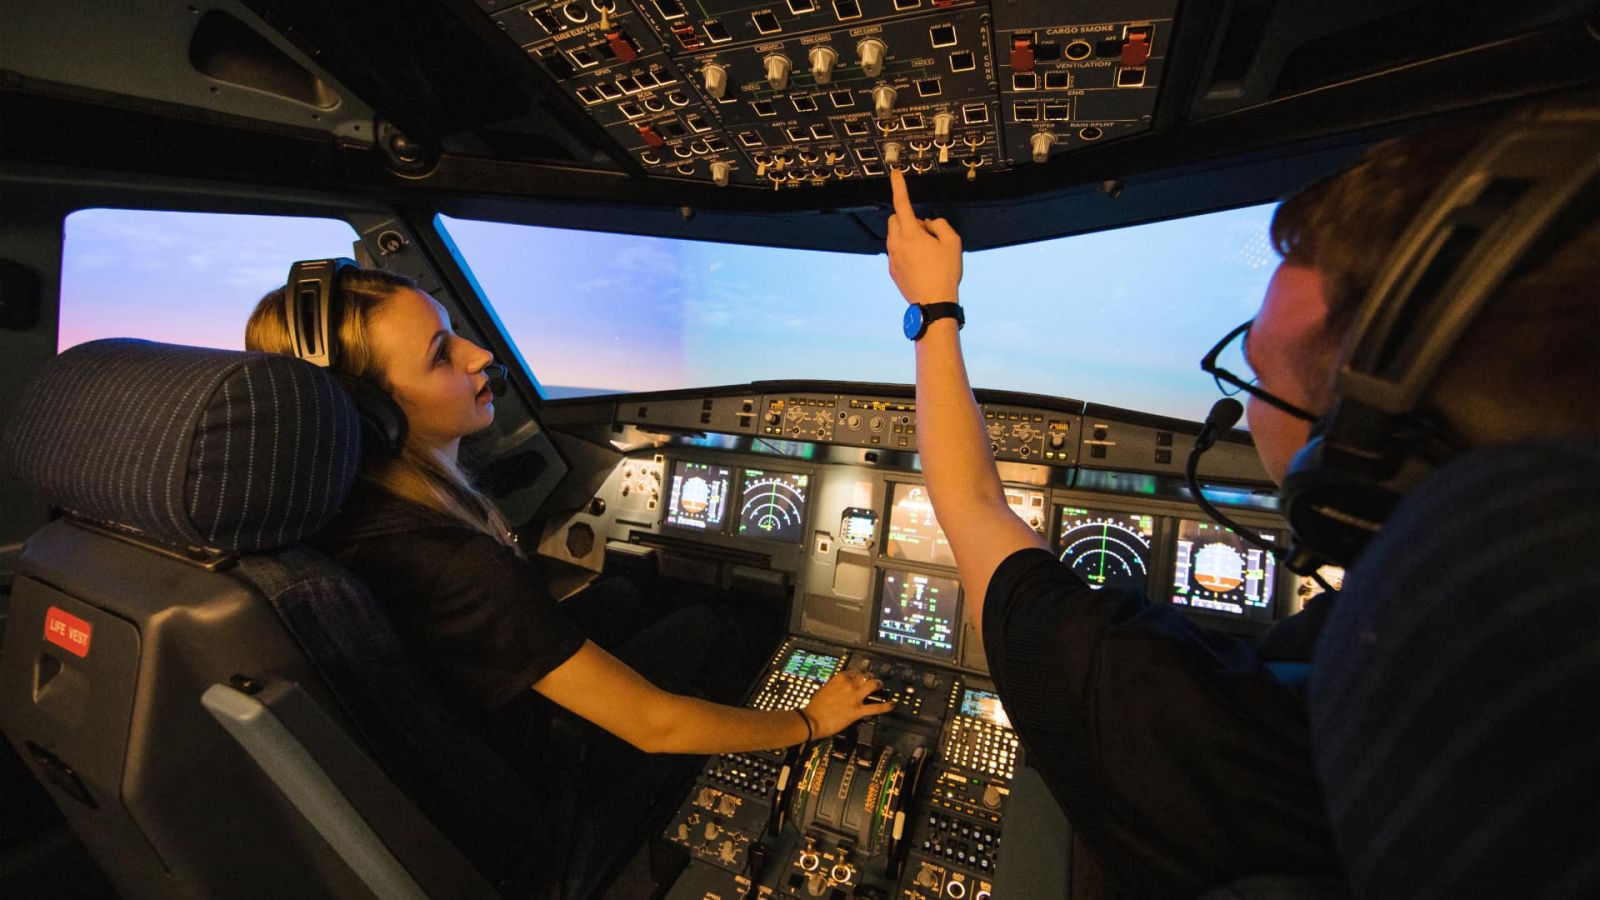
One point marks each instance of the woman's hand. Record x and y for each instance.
(839, 702)
(924, 255)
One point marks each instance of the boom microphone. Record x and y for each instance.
(1224, 413)
(497, 378)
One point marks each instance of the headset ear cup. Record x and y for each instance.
(383, 422)
(1331, 510)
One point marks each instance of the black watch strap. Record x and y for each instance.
(933, 312)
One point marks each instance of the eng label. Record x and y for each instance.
(67, 631)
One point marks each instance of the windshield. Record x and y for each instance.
(1119, 317)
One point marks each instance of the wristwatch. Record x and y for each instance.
(920, 315)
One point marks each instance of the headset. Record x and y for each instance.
(313, 309)
(1525, 188)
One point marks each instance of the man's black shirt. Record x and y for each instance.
(1180, 759)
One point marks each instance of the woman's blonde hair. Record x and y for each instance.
(417, 474)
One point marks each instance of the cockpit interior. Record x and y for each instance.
(667, 218)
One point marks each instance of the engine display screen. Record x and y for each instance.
(1107, 548)
(698, 496)
(914, 532)
(919, 612)
(772, 504)
(811, 665)
(984, 705)
(1216, 571)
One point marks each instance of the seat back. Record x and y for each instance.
(186, 476)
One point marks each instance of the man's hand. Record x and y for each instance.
(842, 700)
(924, 256)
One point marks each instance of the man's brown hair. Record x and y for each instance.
(1529, 365)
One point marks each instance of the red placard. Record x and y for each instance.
(67, 631)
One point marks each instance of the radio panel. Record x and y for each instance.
(806, 92)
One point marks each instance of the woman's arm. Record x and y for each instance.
(600, 688)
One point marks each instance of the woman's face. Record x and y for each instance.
(436, 376)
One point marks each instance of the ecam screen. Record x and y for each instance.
(919, 612)
(914, 532)
(698, 495)
(1218, 572)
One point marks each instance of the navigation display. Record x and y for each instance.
(984, 705)
(1107, 548)
(773, 504)
(698, 497)
(919, 612)
(1216, 571)
(914, 533)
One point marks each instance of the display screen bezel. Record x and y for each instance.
(876, 638)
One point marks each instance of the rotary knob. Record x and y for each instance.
(778, 67)
(883, 100)
(719, 173)
(1042, 142)
(871, 52)
(891, 153)
(941, 126)
(716, 80)
(1057, 440)
(773, 418)
(822, 60)
(991, 797)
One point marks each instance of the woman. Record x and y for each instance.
(436, 552)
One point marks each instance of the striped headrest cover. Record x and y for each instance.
(191, 447)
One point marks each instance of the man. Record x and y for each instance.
(1182, 763)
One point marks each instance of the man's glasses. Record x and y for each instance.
(1231, 384)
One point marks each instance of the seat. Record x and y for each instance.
(218, 710)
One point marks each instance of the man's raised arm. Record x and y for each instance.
(925, 263)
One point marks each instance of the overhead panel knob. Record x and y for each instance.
(719, 173)
(716, 78)
(941, 126)
(883, 101)
(891, 153)
(871, 52)
(778, 67)
(822, 60)
(1042, 142)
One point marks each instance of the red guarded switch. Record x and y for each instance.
(622, 46)
(1021, 53)
(650, 137)
(1136, 49)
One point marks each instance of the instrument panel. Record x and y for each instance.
(802, 93)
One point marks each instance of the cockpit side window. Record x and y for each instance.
(180, 277)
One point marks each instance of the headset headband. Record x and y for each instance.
(1483, 220)
(312, 310)
(1523, 189)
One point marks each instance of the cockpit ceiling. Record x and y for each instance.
(1026, 117)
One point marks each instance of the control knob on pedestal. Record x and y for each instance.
(778, 67)
(822, 60)
(716, 78)
(991, 797)
(871, 52)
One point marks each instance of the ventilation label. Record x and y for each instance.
(67, 631)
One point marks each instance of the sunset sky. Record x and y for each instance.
(1119, 317)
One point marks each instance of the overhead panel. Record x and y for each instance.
(805, 92)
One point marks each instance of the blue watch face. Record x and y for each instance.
(912, 323)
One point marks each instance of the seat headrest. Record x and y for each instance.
(191, 447)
